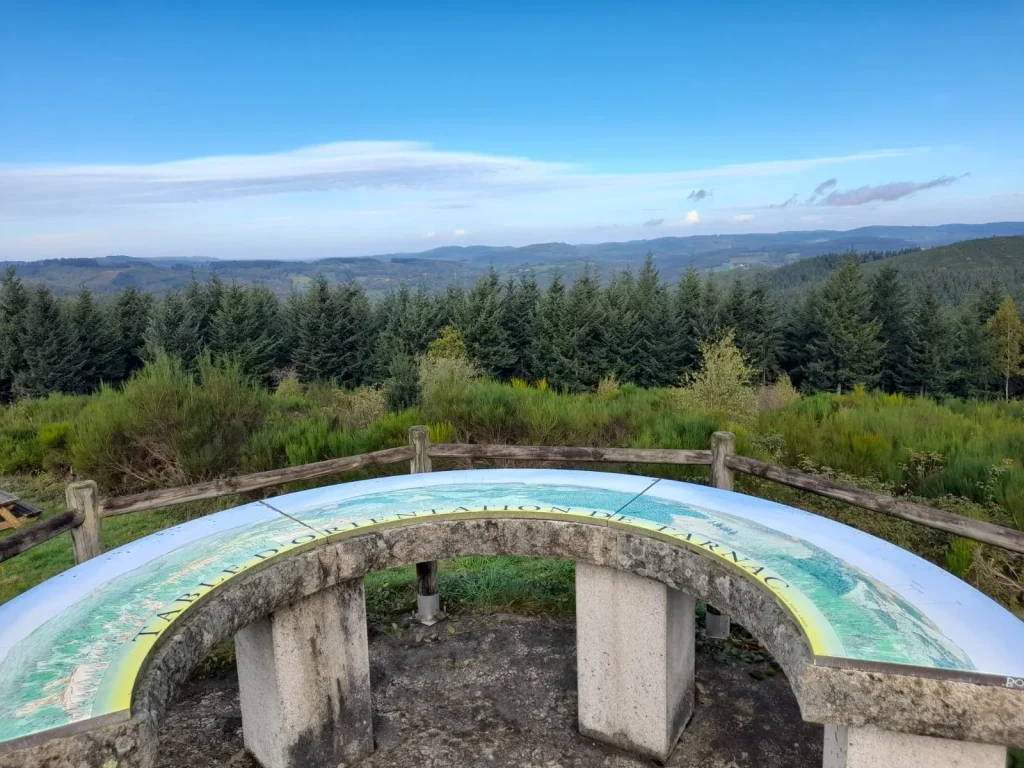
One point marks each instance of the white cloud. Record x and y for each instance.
(381, 166)
(742, 218)
(351, 197)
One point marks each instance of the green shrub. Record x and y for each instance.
(164, 429)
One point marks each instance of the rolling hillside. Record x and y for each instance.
(955, 271)
(439, 267)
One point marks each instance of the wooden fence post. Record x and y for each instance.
(428, 601)
(723, 444)
(83, 498)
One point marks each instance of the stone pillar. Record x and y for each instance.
(635, 660)
(304, 680)
(849, 747)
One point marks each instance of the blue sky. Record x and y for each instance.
(318, 129)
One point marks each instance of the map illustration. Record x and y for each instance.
(71, 648)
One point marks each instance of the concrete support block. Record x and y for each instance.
(848, 747)
(716, 625)
(635, 660)
(304, 680)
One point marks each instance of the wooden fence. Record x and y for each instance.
(86, 509)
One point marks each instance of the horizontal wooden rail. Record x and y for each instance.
(26, 538)
(563, 453)
(988, 533)
(166, 497)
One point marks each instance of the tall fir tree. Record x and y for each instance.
(551, 348)
(48, 347)
(519, 319)
(482, 329)
(686, 331)
(848, 351)
(762, 333)
(584, 327)
(710, 322)
(175, 329)
(890, 306)
(130, 316)
(95, 344)
(246, 328)
(355, 334)
(649, 356)
(315, 355)
(801, 333)
(930, 349)
(621, 326)
(971, 370)
(14, 300)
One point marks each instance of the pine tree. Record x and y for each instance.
(734, 313)
(710, 323)
(48, 347)
(14, 299)
(621, 326)
(1008, 338)
(650, 360)
(686, 334)
(762, 333)
(95, 344)
(486, 338)
(551, 345)
(355, 334)
(246, 329)
(929, 350)
(519, 320)
(801, 334)
(402, 388)
(315, 355)
(890, 305)
(971, 369)
(849, 351)
(584, 327)
(130, 316)
(175, 330)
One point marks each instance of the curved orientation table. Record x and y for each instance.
(886, 649)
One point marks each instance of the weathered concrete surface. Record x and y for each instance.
(635, 660)
(985, 714)
(501, 692)
(304, 676)
(871, 748)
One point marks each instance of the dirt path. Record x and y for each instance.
(500, 691)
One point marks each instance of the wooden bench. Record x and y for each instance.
(903, 663)
(14, 512)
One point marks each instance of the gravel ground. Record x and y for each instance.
(499, 691)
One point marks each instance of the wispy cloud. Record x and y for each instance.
(459, 233)
(786, 203)
(822, 188)
(742, 218)
(654, 222)
(885, 192)
(393, 167)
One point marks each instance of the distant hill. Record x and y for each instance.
(955, 271)
(437, 268)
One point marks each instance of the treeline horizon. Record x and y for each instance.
(878, 332)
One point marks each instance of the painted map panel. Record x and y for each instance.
(71, 648)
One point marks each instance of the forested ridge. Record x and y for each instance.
(865, 323)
